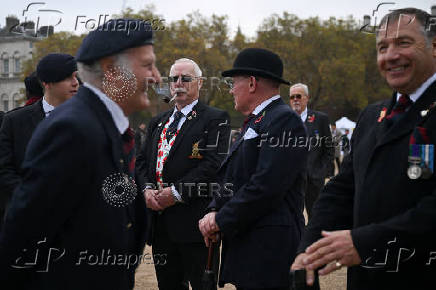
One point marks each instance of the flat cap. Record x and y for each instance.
(55, 67)
(114, 36)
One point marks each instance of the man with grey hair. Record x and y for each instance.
(378, 215)
(321, 150)
(79, 199)
(183, 150)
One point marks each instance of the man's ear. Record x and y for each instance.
(107, 63)
(200, 83)
(252, 84)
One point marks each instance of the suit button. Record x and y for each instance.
(129, 225)
(121, 161)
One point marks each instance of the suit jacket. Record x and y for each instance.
(15, 134)
(321, 151)
(73, 159)
(387, 211)
(261, 217)
(211, 129)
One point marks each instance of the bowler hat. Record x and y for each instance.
(257, 62)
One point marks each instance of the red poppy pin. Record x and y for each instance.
(382, 115)
(260, 118)
(311, 118)
(193, 115)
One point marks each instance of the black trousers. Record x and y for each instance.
(313, 188)
(177, 264)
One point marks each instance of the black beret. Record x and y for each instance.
(257, 62)
(114, 36)
(33, 87)
(55, 67)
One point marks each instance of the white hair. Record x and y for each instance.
(93, 74)
(197, 70)
(303, 86)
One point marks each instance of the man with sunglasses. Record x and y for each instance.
(183, 150)
(321, 149)
(262, 221)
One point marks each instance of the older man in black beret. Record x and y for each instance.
(57, 73)
(263, 219)
(79, 200)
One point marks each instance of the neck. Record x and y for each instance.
(257, 101)
(181, 105)
(52, 100)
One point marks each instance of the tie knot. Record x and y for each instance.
(178, 115)
(128, 134)
(404, 100)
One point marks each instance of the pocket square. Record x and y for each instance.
(250, 134)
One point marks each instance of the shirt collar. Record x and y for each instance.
(303, 115)
(415, 95)
(265, 103)
(186, 109)
(120, 120)
(46, 106)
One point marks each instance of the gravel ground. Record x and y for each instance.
(146, 278)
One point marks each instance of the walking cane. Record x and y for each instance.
(209, 281)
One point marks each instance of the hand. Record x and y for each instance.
(298, 264)
(165, 197)
(150, 199)
(335, 250)
(208, 227)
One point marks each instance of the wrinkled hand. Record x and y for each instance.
(165, 198)
(150, 199)
(298, 264)
(336, 246)
(209, 228)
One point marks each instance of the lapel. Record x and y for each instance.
(189, 122)
(308, 124)
(238, 142)
(37, 113)
(411, 118)
(108, 124)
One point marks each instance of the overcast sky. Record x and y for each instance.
(248, 14)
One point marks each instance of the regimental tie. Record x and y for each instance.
(403, 103)
(244, 125)
(172, 129)
(129, 150)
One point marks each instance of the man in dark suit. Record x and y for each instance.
(321, 148)
(57, 73)
(184, 149)
(378, 216)
(78, 199)
(261, 220)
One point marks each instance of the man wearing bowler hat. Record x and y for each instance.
(79, 205)
(57, 73)
(261, 221)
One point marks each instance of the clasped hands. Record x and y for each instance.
(159, 199)
(334, 250)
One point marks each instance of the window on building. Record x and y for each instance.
(6, 66)
(5, 105)
(30, 44)
(17, 65)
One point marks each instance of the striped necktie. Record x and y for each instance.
(403, 103)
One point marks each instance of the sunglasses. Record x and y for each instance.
(184, 78)
(297, 96)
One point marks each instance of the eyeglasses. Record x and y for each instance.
(184, 78)
(231, 83)
(297, 96)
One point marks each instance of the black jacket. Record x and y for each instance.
(392, 218)
(65, 205)
(210, 128)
